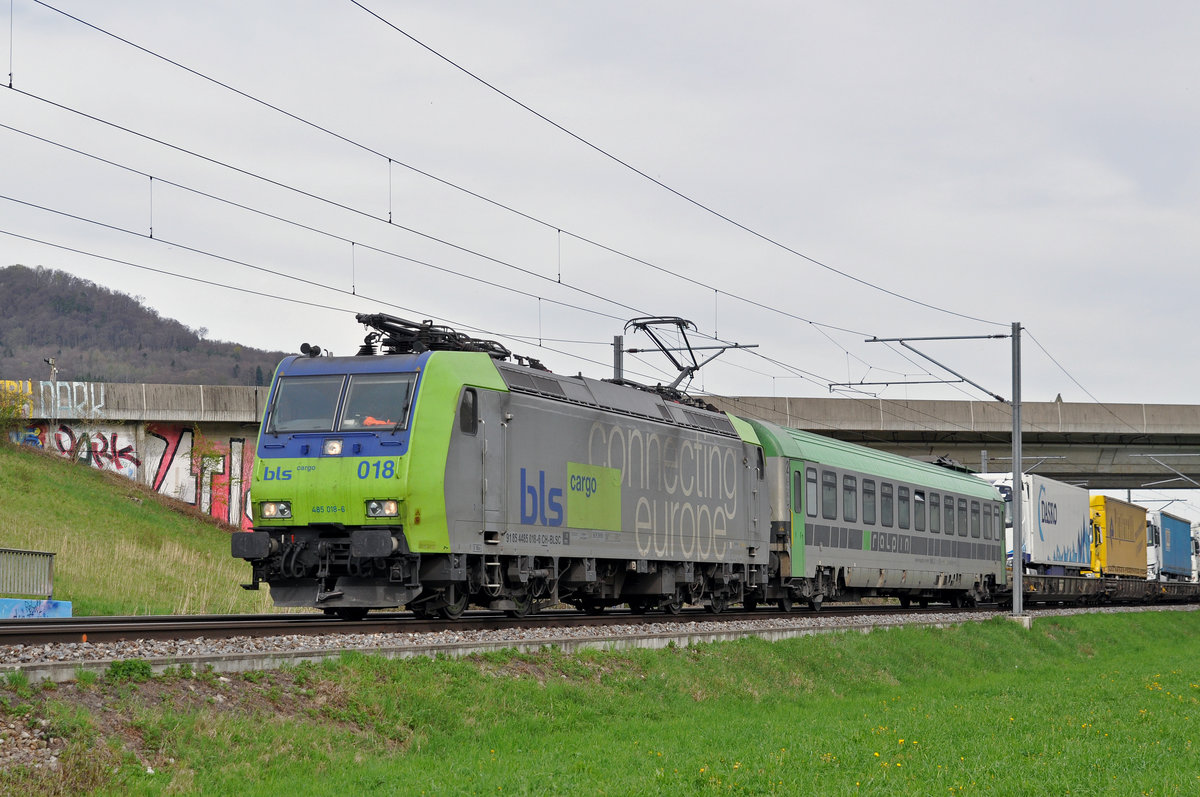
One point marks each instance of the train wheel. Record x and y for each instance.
(456, 603)
(923, 603)
(716, 604)
(673, 606)
(785, 604)
(814, 603)
(521, 606)
(905, 601)
(750, 604)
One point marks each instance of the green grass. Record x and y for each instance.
(1095, 704)
(120, 548)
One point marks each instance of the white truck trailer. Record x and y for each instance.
(1056, 524)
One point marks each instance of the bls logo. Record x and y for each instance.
(276, 474)
(536, 501)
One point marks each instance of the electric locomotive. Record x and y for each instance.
(430, 472)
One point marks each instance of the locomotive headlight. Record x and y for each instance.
(332, 448)
(386, 508)
(275, 510)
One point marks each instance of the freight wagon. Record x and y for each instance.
(1119, 546)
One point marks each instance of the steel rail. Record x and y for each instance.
(41, 631)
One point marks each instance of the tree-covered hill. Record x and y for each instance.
(99, 335)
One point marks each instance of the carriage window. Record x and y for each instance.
(998, 517)
(828, 495)
(962, 517)
(810, 495)
(975, 519)
(987, 521)
(886, 504)
(468, 413)
(849, 499)
(902, 496)
(935, 513)
(797, 491)
(949, 506)
(869, 501)
(919, 510)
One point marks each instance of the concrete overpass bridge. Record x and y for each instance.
(197, 442)
(1100, 446)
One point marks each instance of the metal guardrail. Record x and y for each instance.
(26, 573)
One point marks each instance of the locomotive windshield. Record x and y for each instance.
(373, 402)
(306, 403)
(378, 401)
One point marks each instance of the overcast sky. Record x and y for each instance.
(825, 172)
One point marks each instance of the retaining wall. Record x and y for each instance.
(192, 442)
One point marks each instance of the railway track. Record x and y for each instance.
(164, 627)
(50, 650)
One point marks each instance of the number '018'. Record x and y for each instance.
(385, 469)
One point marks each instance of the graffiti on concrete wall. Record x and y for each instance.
(213, 474)
(104, 448)
(210, 473)
(55, 399)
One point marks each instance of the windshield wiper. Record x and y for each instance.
(403, 414)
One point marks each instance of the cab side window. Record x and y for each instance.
(468, 412)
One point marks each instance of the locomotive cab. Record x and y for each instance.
(329, 483)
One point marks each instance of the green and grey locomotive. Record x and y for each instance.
(437, 474)
(431, 472)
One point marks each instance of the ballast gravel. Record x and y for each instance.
(189, 649)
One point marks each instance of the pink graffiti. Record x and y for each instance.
(96, 449)
(218, 480)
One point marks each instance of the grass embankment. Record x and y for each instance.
(121, 548)
(1095, 704)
